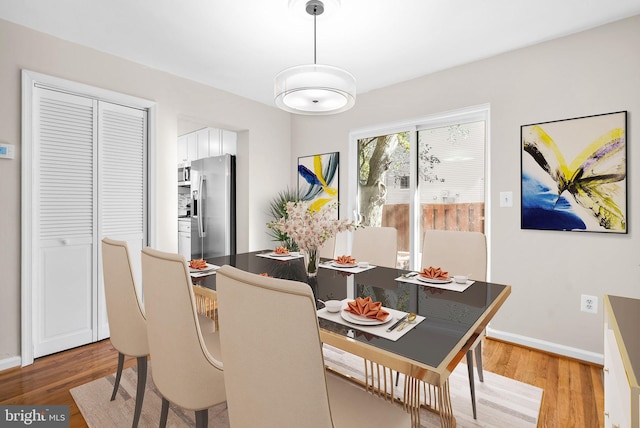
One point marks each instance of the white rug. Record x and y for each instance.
(501, 402)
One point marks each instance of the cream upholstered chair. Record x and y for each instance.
(127, 322)
(460, 253)
(187, 367)
(376, 245)
(274, 369)
(328, 249)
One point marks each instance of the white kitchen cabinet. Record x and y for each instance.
(184, 238)
(203, 138)
(215, 141)
(192, 147)
(204, 143)
(621, 362)
(187, 149)
(183, 152)
(229, 142)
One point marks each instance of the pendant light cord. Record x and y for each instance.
(315, 14)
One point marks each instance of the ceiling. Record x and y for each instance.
(240, 45)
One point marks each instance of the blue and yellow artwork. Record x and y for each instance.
(318, 179)
(589, 193)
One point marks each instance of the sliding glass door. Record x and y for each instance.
(431, 176)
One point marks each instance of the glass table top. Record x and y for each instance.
(449, 315)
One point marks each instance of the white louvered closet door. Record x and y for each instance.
(122, 136)
(64, 250)
(90, 182)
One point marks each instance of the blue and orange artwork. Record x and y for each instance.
(587, 194)
(318, 179)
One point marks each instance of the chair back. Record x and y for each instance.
(328, 249)
(459, 253)
(376, 245)
(274, 369)
(127, 322)
(184, 371)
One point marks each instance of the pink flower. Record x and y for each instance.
(310, 229)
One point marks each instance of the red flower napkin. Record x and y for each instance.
(367, 308)
(345, 260)
(434, 273)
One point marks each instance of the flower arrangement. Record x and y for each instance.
(278, 210)
(310, 229)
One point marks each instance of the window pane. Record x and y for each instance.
(383, 186)
(451, 177)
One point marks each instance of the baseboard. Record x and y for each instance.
(7, 363)
(554, 348)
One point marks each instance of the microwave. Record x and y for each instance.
(184, 174)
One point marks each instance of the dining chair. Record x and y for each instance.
(460, 253)
(127, 322)
(328, 249)
(274, 368)
(376, 245)
(187, 367)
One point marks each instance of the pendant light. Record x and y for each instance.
(315, 89)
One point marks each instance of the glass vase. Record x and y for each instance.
(311, 261)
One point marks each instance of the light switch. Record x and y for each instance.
(506, 199)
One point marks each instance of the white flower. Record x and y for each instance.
(310, 229)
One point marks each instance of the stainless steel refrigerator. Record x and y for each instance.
(213, 207)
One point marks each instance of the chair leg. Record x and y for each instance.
(478, 352)
(116, 385)
(142, 381)
(164, 413)
(472, 385)
(202, 418)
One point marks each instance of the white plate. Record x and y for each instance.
(279, 255)
(357, 319)
(434, 280)
(207, 269)
(340, 265)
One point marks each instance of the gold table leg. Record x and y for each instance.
(417, 393)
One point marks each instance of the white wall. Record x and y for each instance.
(262, 131)
(597, 71)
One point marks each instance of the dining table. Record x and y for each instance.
(450, 319)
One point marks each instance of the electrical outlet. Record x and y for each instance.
(589, 304)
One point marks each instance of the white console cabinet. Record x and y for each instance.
(621, 362)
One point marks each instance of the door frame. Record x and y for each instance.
(29, 79)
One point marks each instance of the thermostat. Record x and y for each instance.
(7, 151)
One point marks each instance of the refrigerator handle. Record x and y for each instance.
(201, 206)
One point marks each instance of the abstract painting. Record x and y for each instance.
(574, 174)
(318, 179)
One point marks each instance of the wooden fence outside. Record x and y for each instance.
(465, 217)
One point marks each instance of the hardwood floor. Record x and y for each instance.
(573, 391)
(49, 379)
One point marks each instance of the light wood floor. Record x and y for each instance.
(573, 392)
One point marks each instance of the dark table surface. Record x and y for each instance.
(449, 315)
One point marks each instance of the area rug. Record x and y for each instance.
(501, 401)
